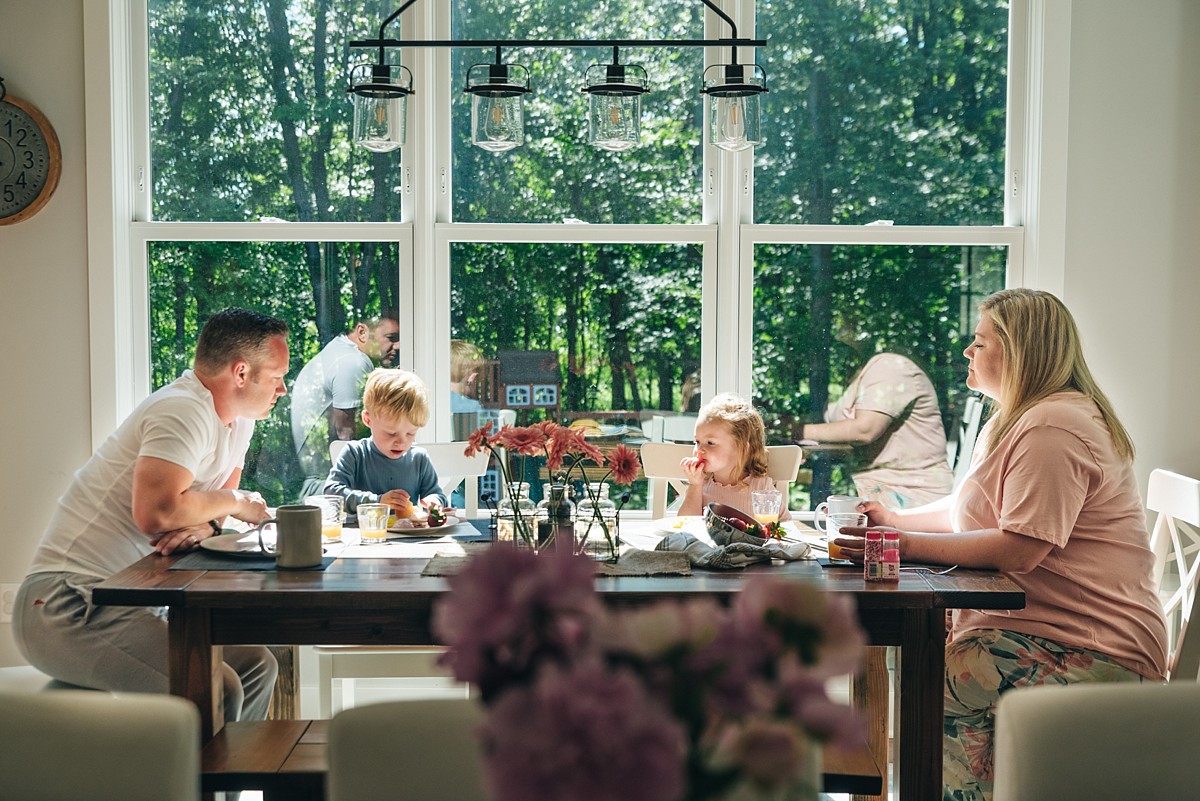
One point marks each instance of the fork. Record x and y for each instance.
(931, 571)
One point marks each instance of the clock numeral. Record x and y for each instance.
(21, 180)
(21, 134)
(29, 159)
(9, 194)
(8, 128)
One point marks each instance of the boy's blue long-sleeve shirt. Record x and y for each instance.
(362, 474)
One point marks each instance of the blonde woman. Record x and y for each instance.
(729, 460)
(1051, 500)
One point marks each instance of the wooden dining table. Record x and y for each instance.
(386, 601)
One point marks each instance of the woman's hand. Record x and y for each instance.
(693, 469)
(878, 515)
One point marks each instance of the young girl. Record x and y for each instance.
(729, 461)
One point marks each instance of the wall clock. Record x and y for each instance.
(30, 159)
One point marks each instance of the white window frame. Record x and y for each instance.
(119, 229)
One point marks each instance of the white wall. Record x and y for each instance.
(43, 291)
(1131, 272)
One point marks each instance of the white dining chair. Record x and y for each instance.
(963, 441)
(660, 463)
(340, 666)
(1175, 541)
(420, 750)
(73, 744)
(1097, 742)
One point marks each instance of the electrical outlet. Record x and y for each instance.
(8, 599)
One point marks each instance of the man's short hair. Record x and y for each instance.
(373, 322)
(397, 393)
(233, 334)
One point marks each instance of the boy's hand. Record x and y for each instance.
(400, 502)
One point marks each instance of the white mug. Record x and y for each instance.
(297, 536)
(835, 505)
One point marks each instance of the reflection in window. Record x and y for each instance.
(190, 281)
(883, 110)
(602, 336)
(821, 312)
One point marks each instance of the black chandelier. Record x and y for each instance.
(380, 92)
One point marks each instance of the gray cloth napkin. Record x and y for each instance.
(732, 552)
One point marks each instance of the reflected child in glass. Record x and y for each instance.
(729, 461)
(386, 467)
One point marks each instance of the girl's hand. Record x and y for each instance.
(693, 469)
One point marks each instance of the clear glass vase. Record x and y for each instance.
(555, 513)
(516, 517)
(597, 525)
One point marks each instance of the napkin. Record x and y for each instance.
(731, 553)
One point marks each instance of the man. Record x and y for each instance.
(163, 481)
(328, 392)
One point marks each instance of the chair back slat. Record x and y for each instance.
(1175, 542)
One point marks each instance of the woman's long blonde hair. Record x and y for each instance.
(1042, 355)
(745, 425)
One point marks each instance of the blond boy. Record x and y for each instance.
(385, 467)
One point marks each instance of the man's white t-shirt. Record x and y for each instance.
(92, 529)
(334, 378)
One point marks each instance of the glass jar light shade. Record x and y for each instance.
(497, 122)
(615, 104)
(734, 116)
(380, 96)
(615, 121)
(380, 123)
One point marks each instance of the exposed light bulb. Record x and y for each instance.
(614, 115)
(498, 123)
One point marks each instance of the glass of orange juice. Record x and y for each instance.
(331, 515)
(767, 505)
(373, 522)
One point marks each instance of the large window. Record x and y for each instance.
(655, 278)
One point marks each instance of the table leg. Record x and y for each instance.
(870, 691)
(922, 703)
(194, 667)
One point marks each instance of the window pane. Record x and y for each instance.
(249, 116)
(556, 174)
(190, 281)
(883, 110)
(822, 311)
(606, 333)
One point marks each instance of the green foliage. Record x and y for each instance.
(879, 109)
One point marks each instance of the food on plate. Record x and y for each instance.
(437, 516)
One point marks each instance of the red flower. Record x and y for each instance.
(624, 464)
(561, 441)
(479, 440)
(529, 441)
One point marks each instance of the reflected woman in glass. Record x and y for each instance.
(890, 413)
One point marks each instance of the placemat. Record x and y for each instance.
(633, 562)
(206, 560)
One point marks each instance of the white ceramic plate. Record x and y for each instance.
(235, 544)
(689, 523)
(410, 529)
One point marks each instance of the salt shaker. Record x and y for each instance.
(873, 555)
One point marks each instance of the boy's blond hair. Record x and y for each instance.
(465, 359)
(396, 393)
(745, 425)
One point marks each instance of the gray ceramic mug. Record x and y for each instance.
(297, 536)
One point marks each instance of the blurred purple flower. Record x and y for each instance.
(510, 608)
(585, 733)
